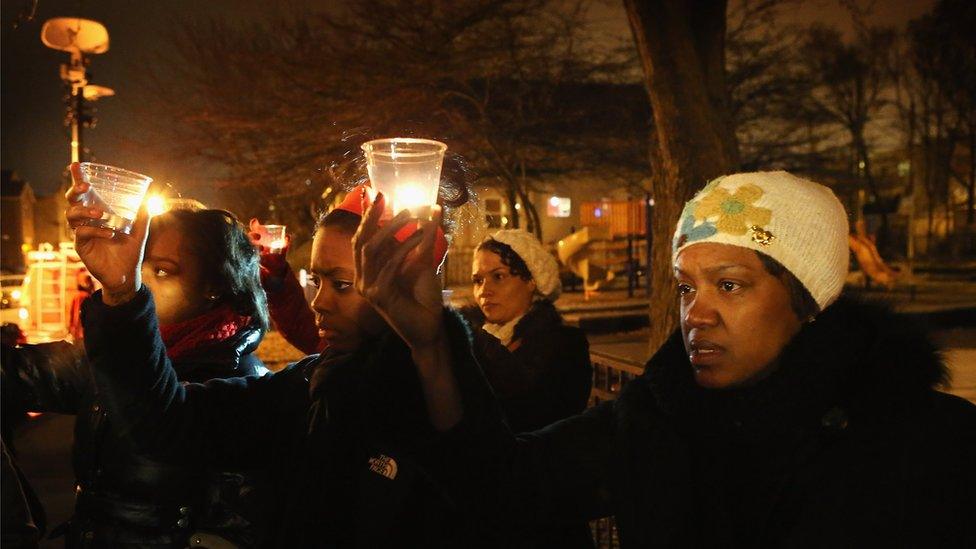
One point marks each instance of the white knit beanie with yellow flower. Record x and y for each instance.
(797, 222)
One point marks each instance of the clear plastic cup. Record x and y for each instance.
(276, 237)
(117, 192)
(407, 171)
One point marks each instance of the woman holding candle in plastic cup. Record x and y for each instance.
(401, 168)
(338, 432)
(779, 414)
(287, 305)
(212, 316)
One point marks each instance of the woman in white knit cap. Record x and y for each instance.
(779, 414)
(538, 368)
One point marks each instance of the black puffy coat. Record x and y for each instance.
(340, 436)
(124, 498)
(23, 521)
(846, 444)
(546, 378)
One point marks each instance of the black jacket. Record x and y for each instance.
(546, 378)
(122, 496)
(340, 436)
(23, 519)
(846, 444)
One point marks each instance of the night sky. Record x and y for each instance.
(35, 142)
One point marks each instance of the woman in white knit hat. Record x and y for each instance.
(538, 368)
(779, 414)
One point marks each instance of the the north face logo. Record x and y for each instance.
(383, 465)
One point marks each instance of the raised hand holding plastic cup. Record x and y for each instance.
(117, 192)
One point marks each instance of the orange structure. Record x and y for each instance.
(620, 217)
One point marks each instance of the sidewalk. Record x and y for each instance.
(941, 303)
(924, 295)
(571, 302)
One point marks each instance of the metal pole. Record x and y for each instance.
(76, 108)
(631, 271)
(649, 232)
(74, 74)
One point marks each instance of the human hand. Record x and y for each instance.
(112, 257)
(272, 259)
(398, 278)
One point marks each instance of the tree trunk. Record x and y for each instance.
(970, 208)
(531, 214)
(511, 197)
(861, 147)
(682, 48)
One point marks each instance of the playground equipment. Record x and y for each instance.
(575, 252)
(869, 259)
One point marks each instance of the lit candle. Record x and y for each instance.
(276, 237)
(156, 205)
(407, 171)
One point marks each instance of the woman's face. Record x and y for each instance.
(735, 316)
(174, 276)
(344, 318)
(501, 295)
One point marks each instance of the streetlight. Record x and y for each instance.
(80, 38)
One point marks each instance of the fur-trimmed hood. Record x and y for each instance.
(856, 357)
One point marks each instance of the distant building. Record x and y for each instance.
(16, 221)
(49, 222)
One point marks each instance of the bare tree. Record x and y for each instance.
(682, 50)
(935, 96)
(941, 92)
(511, 85)
(852, 81)
(777, 123)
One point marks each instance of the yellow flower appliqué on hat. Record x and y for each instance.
(735, 211)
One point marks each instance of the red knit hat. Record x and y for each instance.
(361, 197)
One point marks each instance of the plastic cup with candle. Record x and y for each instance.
(407, 171)
(276, 238)
(115, 191)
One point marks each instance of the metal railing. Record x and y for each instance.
(610, 374)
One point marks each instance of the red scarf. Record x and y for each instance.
(218, 325)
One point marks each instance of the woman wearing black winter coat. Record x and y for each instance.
(777, 416)
(538, 368)
(204, 273)
(338, 432)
